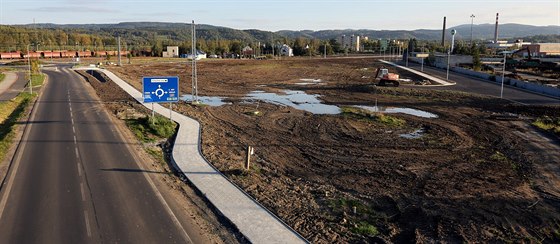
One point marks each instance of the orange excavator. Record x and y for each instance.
(384, 78)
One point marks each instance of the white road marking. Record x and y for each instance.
(77, 154)
(79, 169)
(74, 130)
(87, 223)
(83, 192)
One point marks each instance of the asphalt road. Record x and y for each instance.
(75, 180)
(479, 86)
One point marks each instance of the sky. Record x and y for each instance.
(274, 15)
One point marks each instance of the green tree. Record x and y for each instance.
(157, 49)
(477, 64)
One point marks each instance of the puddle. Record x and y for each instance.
(390, 110)
(310, 82)
(296, 99)
(210, 101)
(303, 101)
(414, 135)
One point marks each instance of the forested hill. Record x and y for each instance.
(153, 36)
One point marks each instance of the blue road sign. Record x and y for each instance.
(160, 89)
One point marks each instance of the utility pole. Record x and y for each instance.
(472, 22)
(503, 76)
(194, 92)
(29, 62)
(119, 49)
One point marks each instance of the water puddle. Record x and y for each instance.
(296, 99)
(409, 111)
(306, 82)
(210, 101)
(414, 135)
(303, 101)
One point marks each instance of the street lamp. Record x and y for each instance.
(29, 63)
(472, 21)
(422, 67)
(503, 75)
(453, 32)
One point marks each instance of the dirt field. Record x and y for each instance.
(356, 176)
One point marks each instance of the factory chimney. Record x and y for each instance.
(443, 33)
(496, 30)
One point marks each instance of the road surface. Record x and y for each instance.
(75, 180)
(478, 86)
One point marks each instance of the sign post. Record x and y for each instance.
(160, 90)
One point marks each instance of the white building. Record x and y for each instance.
(286, 50)
(172, 52)
(351, 43)
(199, 55)
(505, 44)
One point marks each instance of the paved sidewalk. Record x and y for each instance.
(256, 223)
(427, 76)
(11, 86)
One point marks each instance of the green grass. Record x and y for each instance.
(365, 228)
(10, 113)
(550, 124)
(151, 129)
(37, 79)
(366, 115)
(2, 76)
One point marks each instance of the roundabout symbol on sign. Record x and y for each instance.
(159, 92)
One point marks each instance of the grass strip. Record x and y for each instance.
(550, 124)
(10, 113)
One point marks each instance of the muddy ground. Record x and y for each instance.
(352, 177)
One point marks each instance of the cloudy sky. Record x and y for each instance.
(276, 15)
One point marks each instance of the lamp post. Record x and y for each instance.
(448, 57)
(453, 32)
(29, 62)
(472, 21)
(503, 76)
(325, 49)
(422, 67)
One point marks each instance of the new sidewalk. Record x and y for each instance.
(11, 86)
(427, 76)
(256, 223)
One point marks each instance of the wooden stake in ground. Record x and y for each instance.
(248, 159)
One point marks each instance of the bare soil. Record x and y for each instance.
(351, 178)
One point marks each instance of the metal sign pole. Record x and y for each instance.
(170, 110)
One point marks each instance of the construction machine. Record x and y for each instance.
(384, 78)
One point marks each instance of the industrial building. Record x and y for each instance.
(540, 49)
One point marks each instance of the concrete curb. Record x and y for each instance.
(254, 221)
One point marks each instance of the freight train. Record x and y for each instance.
(59, 54)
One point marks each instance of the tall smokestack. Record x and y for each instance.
(496, 30)
(443, 33)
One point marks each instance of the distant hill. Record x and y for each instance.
(181, 31)
(480, 32)
(172, 31)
